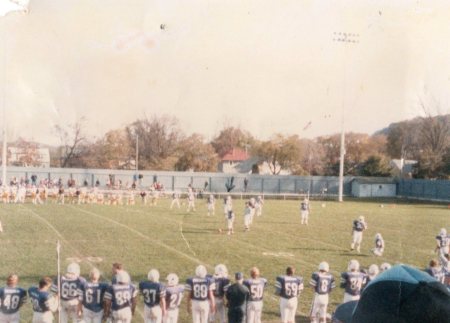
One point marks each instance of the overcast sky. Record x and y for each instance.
(267, 66)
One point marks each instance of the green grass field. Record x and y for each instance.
(144, 237)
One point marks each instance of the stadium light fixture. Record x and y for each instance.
(347, 39)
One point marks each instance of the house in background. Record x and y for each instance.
(39, 157)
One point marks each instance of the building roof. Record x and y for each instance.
(236, 154)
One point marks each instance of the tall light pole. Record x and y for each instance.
(347, 39)
(137, 154)
(7, 7)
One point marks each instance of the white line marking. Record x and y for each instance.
(184, 238)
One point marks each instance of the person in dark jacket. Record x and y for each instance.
(237, 296)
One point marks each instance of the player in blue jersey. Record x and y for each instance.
(304, 211)
(379, 245)
(200, 296)
(353, 281)
(322, 283)
(436, 271)
(288, 287)
(221, 283)
(154, 294)
(174, 295)
(120, 299)
(11, 299)
(359, 226)
(70, 283)
(443, 242)
(44, 304)
(91, 295)
(211, 204)
(255, 285)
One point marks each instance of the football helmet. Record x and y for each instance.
(123, 277)
(74, 269)
(373, 271)
(378, 236)
(353, 265)
(385, 266)
(153, 275)
(221, 270)
(172, 279)
(443, 232)
(200, 271)
(324, 266)
(361, 218)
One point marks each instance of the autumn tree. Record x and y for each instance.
(280, 152)
(232, 137)
(376, 165)
(196, 155)
(159, 137)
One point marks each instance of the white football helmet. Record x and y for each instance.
(200, 271)
(373, 271)
(378, 236)
(443, 232)
(324, 266)
(353, 265)
(153, 275)
(73, 269)
(221, 270)
(172, 279)
(385, 266)
(361, 218)
(123, 277)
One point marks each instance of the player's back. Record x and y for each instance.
(221, 285)
(256, 287)
(69, 287)
(353, 282)
(174, 295)
(199, 287)
(120, 295)
(322, 282)
(91, 294)
(39, 299)
(153, 292)
(11, 299)
(289, 286)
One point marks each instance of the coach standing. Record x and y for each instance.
(237, 296)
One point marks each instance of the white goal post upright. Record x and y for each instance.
(58, 253)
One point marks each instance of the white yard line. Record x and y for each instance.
(140, 234)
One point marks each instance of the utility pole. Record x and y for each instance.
(137, 153)
(347, 39)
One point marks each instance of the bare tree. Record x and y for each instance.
(72, 138)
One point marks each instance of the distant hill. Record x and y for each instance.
(386, 131)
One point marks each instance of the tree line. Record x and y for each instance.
(162, 145)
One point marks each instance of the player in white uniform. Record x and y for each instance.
(230, 222)
(175, 200)
(255, 285)
(259, 205)
(359, 226)
(443, 242)
(211, 204)
(200, 297)
(174, 295)
(379, 245)
(252, 203)
(288, 287)
(191, 202)
(322, 283)
(227, 205)
(304, 211)
(353, 281)
(247, 216)
(11, 299)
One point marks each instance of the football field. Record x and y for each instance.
(144, 237)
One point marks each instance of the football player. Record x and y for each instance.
(436, 271)
(70, 284)
(379, 245)
(443, 242)
(11, 299)
(175, 200)
(353, 281)
(91, 296)
(372, 273)
(154, 298)
(385, 266)
(230, 221)
(227, 205)
(44, 304)
(359, 226)
(116, 269)
(174, 295)
(304, 211)
(255, 285)
(221, 283)
(211, 204)
(445, 263)
(259, 205)
(251, 204)
(288, 287)
(200, 295)
(247, 216)
(322, 283)
(191, 202)
(120, 299)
